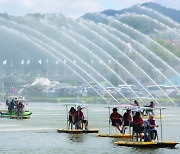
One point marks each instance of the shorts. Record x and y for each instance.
(114, 123)
(128, 124)
(138, 129)
(84, 121)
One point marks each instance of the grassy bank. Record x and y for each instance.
(99, 100)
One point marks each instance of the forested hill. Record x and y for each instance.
(171, 13)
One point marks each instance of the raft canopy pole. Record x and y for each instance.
(129, 129)
(161, 125)
(109, 119)
(160, 113)
(87, 111)
(67, 115)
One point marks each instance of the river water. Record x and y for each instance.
(38, 135)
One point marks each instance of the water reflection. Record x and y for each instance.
(78, 138)
(147, 150)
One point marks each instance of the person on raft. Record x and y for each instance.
(80, 119)
(116, 119)
(72, 112)
(151, 124)
(20, 108)
(138, 125)
(150, 110)
(127, 119)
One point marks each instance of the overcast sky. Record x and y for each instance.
(73, 8)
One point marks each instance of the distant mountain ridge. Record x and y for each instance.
(171, 13)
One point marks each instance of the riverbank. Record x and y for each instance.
(99, 100)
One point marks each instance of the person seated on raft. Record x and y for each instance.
(72, 112)
(20, 108)
(116, 119)
(127, 120)
(7, 102)
(11, 107)
(135, 103)
(79, 119)
(15, 101)
(138, 125)
(151, 124)
(135, 107)
(147, 111)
